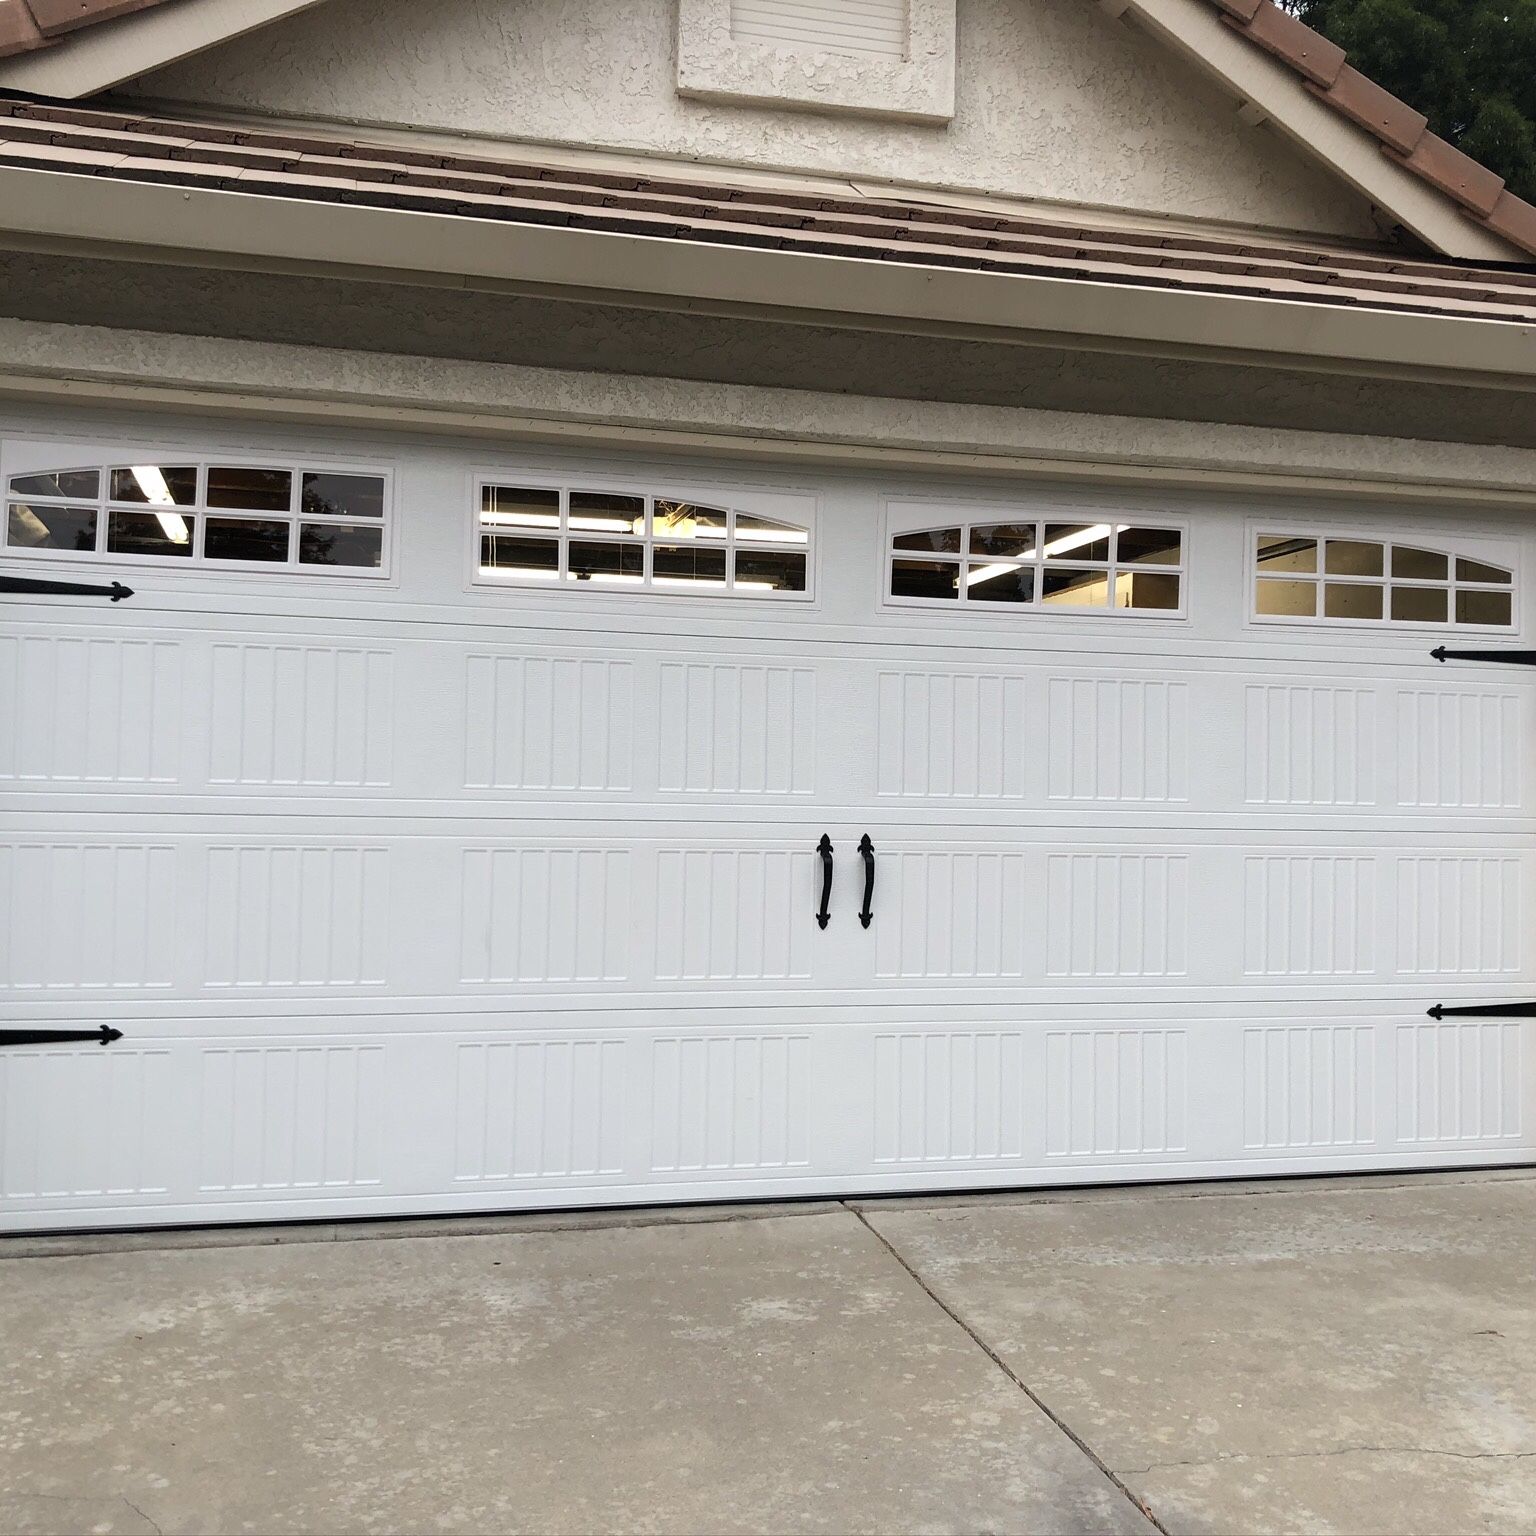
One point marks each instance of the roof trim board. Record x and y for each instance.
(1286, 90)
(81, 59)
(314, 229)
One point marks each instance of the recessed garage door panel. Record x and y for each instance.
(431, 893)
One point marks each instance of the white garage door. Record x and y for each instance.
(445, 834)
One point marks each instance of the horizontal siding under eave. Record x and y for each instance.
(874, 27)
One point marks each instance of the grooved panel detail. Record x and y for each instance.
(544, 914)
(1309, 1085)
(1458, 750)
(1310, 746)
(1117, 739)
(1116, 1092)
(733, 916)
(1309, 916)
(877, 28)
(296, 917)
(1460, 1082)
(730, 1101)
(87, 915)
(1116, 914)
(548, 723)
(291, 1117)
(948, 1097)
(92, 711)
(539, 1109)
(951, 736)
(737, 730)
(1458, 914)
(85, 1122)
(950, 915)
(301, 714)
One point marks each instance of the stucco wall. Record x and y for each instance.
(1053, 101)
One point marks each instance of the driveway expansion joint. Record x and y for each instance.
(1108, 1472)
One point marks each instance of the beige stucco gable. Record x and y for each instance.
(1053, 101)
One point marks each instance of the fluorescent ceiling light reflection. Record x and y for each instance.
(1061, 546)
(158, 494)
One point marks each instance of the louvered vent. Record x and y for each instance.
(872, 28)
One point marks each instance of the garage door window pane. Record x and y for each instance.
(245, 538)
(45, 527)
(1475, 570)
(1148, 546)
(1146, 589)
(1074, 588)
(72, 484)
(1353, 557)
(157, 485)
(324, 494)
(606, 562)
(599, 512)
(1288, 599)
(764, 530)
(772, 569)
(250, 490)
(1077, 541)
(515, 554)
(1420, 605)
(1281, 552)
(340, 544)
(678, 563)
(510, 506)
(1352, 601)
(1000, 583)
(1419, 564)
(150, 533)
(1483, 608)
(687, 520)
(938, 541)
(925, 578)
(1007, 541)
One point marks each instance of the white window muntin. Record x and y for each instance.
(1392, 577)
(196, 512)
(907, 519)
(788, 533)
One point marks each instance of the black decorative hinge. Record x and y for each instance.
(1486, 1011)
(117, 591)
(1514, 658)
(102, 1036)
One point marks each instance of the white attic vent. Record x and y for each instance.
(867, 28)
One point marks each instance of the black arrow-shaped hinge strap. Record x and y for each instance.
(102, 1036)
(1485, 1011)
(1510, 658)
(40, 584)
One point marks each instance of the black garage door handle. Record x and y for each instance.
(117, 591)
(867, 852)
(824, 848)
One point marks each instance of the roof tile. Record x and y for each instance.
(1280, 33)
(1359, 97)
(1444, 166)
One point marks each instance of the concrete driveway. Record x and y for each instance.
(1338, 1355)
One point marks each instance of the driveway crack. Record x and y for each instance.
(1343, 1450)
(1008, 1371)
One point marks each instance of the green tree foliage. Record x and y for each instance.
(1469, 65)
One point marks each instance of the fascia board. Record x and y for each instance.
(398, 245)
(1194, 29)
(95, 59)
